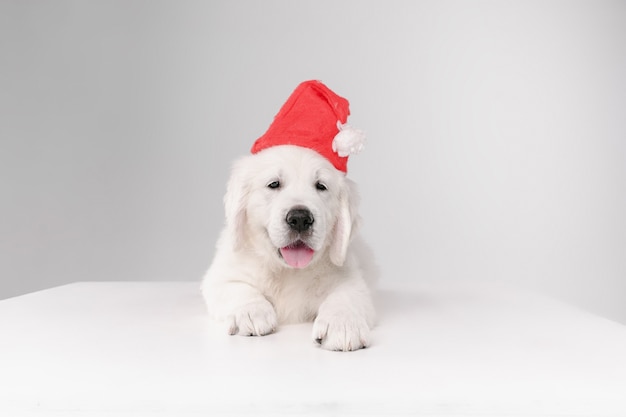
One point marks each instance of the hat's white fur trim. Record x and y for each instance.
(348, 141)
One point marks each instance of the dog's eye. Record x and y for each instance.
(320, 186)
(274, 185)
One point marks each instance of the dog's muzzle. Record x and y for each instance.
(298, 254)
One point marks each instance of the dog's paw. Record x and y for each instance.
(257, 318)
(341, 331)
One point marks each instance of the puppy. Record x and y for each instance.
(290, 253)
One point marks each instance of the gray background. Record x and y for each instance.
(496, 151)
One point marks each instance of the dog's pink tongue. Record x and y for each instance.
(297, 256)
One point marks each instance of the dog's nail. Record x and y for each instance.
(319, 341)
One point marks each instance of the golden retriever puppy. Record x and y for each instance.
(290, 250)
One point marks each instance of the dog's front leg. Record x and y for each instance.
(242, 307)
(345, 317)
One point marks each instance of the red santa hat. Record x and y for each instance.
(314, 117)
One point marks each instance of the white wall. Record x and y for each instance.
(497, 134)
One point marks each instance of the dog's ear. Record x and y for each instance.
(235, 204)
(346, 223)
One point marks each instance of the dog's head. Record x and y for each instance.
(291, 204)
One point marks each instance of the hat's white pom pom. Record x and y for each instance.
(349, 140)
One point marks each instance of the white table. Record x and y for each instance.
(135, 349)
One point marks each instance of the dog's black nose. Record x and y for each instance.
(299, 219)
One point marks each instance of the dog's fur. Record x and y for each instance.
(251, 287)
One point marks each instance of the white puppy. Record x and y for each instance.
(289, 251)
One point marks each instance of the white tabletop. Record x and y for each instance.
(134, 349)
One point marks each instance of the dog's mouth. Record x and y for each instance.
(297, 254)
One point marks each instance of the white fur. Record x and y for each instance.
(252, 289)
(348, 141)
